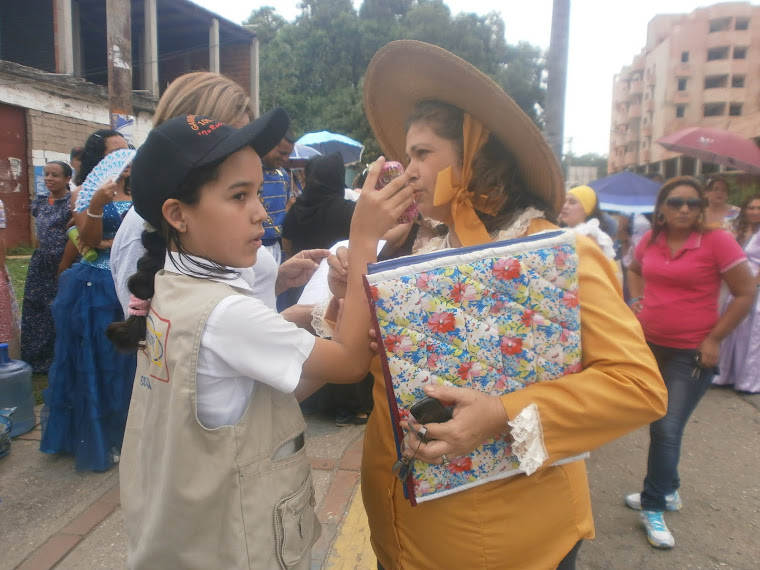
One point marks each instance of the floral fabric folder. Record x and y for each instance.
(496, 318)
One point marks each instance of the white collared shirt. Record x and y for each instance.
(127, 249)
(244, 342)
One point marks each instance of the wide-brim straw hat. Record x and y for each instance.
(405, 72)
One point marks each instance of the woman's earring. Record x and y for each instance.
(181, 227)
(660, 218)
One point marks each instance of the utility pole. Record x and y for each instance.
(119, 46)
(557, 80)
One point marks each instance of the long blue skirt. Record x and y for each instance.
(90, 383)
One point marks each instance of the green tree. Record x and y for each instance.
(314, 66)
(588, 159)
(266, 23)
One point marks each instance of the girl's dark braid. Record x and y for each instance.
(129, 335)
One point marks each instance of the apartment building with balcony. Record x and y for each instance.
(697, 69)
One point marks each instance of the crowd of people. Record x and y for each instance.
(174, 343)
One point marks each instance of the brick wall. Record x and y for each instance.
(235, 63)
(58, 134)
(173, 67)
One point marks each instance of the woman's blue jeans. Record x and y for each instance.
(686, 384)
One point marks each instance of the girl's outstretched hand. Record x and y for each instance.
(337, 275)
(377, 210)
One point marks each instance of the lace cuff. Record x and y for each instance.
(319, 323)
(528, 439)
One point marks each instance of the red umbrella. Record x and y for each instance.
(717, 146)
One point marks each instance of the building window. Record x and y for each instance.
(719, 24)
(688, 166)
(680, 111)
(714, 109)
(737, 81)
(741, 24)
(716, 53)
(716, 81)
(740, 52)
(735, 109)
(684, 57)
(682, 84)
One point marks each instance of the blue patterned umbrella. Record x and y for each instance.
(327, 143)
(303, 152)
(626, 192)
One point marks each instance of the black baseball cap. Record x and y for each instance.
(182, 144)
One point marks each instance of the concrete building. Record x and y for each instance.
(54, 79)
(580, 175)
(697, 69)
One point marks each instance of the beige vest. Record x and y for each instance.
(233, 497)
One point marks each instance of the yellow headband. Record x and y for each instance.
(586, 196)
(467, 225)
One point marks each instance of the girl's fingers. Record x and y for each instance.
(372, 174)
(342, 254)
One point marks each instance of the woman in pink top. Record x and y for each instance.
(674, 280)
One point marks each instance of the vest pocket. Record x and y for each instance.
(296, 527)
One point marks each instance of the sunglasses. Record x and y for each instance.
(403, 467)
(678, 203)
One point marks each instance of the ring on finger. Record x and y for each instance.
(444, 460)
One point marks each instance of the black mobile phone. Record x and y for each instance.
(430, 411)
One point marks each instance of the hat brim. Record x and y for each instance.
(405, 72)
(262, 134)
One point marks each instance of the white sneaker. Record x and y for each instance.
(657, 531)
(672, 502)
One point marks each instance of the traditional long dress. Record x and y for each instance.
(37, 329)
(740, 354)
(9, 313)
(90, 383)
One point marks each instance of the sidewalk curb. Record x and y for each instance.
(331, 513)
(333, 510)
(58, 546)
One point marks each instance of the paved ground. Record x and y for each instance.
(52, 516)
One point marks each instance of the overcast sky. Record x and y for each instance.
(604, 36)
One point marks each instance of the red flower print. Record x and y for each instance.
(506, 269)
(527, 317)
(463, 292)
(469, 370)
(460, 464)
(457, 292)
(422, 281)
(397, 344)
(511, 345)
(496, 307)
(570, 300)
(373, 292)
(560, 259)
(441, 322)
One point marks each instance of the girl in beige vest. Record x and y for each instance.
(210, 481)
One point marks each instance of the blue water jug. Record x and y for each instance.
(16, 391)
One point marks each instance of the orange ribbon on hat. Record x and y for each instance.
(468, 227)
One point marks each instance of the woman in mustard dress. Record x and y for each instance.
(477, 163)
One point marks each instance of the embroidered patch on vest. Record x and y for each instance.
(156, 343)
